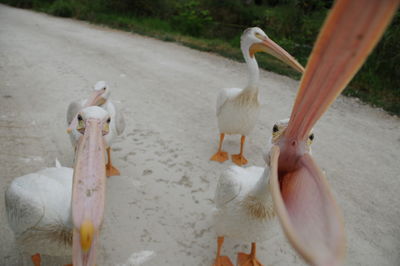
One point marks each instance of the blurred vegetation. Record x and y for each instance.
(216, 26)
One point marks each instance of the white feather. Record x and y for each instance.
(38, 208)
(237, 191)
(58, 164)
(237, 111)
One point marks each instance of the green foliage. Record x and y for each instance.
(378, 81)
(191, 18)
(140, 8)
(281, 20)
(62, 8)
(27, 3)
(21, 3)
(216, 26)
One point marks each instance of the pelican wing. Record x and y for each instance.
(73, 109)
(24, 209)
(229, 185)
(119, 121)
(39, 200)
(224, 95)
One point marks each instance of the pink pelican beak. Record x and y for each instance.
(302, 196)
(95, 99)
(270, 47)
(89, 184)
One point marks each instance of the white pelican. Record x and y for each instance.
(237, 109)
(301, 195)
(99, 97)
(38, 208)
(58, 207)
(89, 184)
(244, 207)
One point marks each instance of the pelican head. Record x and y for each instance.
(279, 128)
(101, 93)
(278, 131)
(88, 192)
(95, 113)
(255, 40)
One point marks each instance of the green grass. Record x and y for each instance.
(295, 30)
(162, 30)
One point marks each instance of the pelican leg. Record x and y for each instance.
(220, 156)
(244, 259)
(239, 159)
(36, 259)
(110, 169)
(221, 260)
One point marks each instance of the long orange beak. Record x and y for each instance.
(270, 47)
(302, 197)
(94, 99)
(88, 193)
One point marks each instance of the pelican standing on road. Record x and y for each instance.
(237, 109)
(244, 207)
(99, 97)
(56, 208)
(38, 208)
(301, 195)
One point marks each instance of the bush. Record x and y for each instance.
(21, 3)
(63, 8)
(27, 3)
(140, 8)
(192, 19)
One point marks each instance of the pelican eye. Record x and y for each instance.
(311, 137)
(80, 117)
(109, 120)
(275, 129)
(104, 88)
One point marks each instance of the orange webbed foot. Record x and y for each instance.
(244, 259)
(239, 159)
(220, 156)
(112, 171)
(36, 259)
(222, 261)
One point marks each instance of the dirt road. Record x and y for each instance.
(159, 210)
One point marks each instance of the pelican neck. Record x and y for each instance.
(261, 189)
(252, 69)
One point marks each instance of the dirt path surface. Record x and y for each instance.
(159, 210)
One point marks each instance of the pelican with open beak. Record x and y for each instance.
(89, 184)
(301, 194)
(238, 109)
(244, 208)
